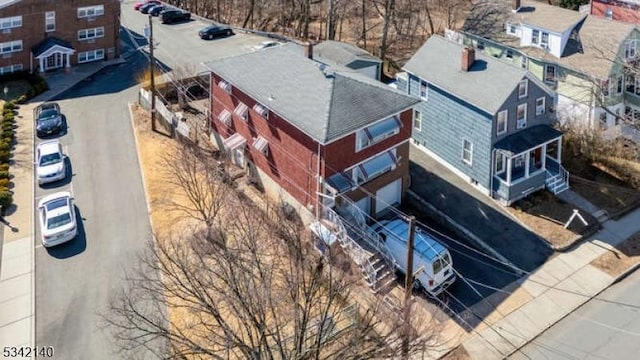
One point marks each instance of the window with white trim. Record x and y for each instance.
(261, 110)
(377, 132)
(225, 86)
(241, 110)
(535, 37)
(522, 88)
(262, 145)
(92, 55)
(632, 85)
(50, 21)
(512, 29)
(11, 47)
(630, 49)
(604, 87)
(424, 90)
(374, 167)
(417, 120)
(521, 116)
(87, 34)
(10, 68)
(90, 11)
(225, 117)
(524, 62)
(550, 73)
(501, 122)
(619, 84)
(10, 22)
(480, 45)
(540, 106)
(544, 40)
(467, 151)
(500, 163)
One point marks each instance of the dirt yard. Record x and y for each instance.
(625, 255)
(546, 215)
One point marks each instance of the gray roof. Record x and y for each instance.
(324, 102)
(343, 54)
(545, 16)
(527, 139)
(599, 39)
(487, 84)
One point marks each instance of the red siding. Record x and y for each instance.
(292, 159)
(621, 11)
(33, 32)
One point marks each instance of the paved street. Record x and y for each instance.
(605, 328)
(74, 280)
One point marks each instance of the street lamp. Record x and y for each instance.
(6, 91)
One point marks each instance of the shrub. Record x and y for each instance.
(4, 174)
(8, 136)
(9, 105)
(4, 145)
(7, 127)
(4, 183)
(6, 199)
(5, 156)
(21, 99)
(4, 167)
(9, 118)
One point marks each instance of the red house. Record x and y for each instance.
(312, 134)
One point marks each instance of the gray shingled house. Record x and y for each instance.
(489, 122)
(348, 56)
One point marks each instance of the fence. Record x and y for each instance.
(169, 119)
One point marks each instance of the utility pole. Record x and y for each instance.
(152, 64)
(408, 289)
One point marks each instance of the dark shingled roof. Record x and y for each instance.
(324, 102)
(48, 44)
(527, 139)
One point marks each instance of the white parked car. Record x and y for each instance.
(50, 162)
(265, 45)
(57, 219)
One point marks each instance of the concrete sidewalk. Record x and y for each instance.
(17, 267)
(553, 291)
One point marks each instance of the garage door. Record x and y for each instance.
(364, 205)
(388, 195)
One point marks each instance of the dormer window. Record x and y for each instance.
(535, 37)
(630, 49)
(377, 132)
(512, 29)
(544, 43)
(522, 88)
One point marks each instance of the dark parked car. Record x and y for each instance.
(146, 7)
(169, 16)
(48, 119)
(156, 10)
(213, 31)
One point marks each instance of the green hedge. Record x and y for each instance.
(6, 199)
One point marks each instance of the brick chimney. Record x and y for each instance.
(468, 57)
(516, 5)
(308, 50)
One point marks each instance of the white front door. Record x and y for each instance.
(54, 61)
(388, 195)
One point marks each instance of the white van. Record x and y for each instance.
(429, 256)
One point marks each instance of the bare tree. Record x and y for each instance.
(253, 289)
(201, 181)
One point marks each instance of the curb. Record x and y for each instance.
(616, 280)
(470, 235)
(144, 180)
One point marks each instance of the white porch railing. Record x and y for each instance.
(557, 183)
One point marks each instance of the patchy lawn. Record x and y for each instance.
(601, 187)
(546, 215)
(625, 255)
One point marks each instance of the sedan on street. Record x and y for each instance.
(214, 31)
(171, 16)
(156, 10)
(50, 162)
(48, 119)
(57, 219)
(139, 4)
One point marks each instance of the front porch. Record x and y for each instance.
(52, 53)
(529, 161)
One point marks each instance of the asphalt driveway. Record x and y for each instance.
(476, 212)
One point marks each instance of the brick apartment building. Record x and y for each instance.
(312, 134)
(43, 35)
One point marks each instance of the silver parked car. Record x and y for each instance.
(50, 165)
